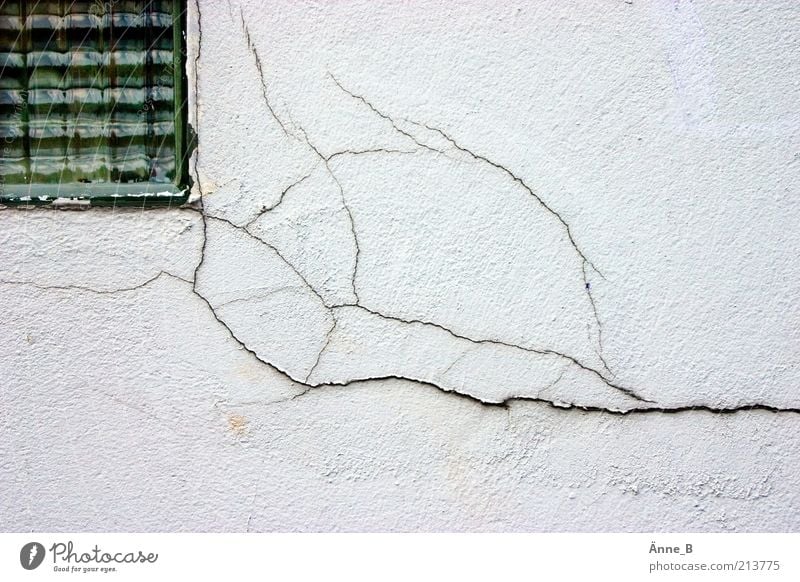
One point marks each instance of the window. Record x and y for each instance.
(92, 101)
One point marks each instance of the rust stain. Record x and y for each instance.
(237, 424)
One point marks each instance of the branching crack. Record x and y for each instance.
(326, 161)
(478, 157)
(380, 113)
(285, 191)
(545, 352)
(506, 403)
(273, 248)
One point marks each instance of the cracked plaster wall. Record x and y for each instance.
(484, 267)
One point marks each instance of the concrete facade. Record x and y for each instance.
(469, 267)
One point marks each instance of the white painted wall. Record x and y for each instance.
(436, 250)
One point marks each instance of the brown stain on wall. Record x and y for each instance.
(237, 424)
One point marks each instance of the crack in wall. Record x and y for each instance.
(326, 161)
(478, 157)
(269, 293)
(627, 391)
(347, 209)
(272, 247)
(370, 151)
(585, 261)
(331, 310)
(597, 321)
(507, 403)
(87, 289)
(385, 116)
(285, 191)
(260, 69)
(522, 183)
(307, 387)
(328, 337)
(504, 403)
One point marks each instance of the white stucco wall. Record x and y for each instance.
(487, 266)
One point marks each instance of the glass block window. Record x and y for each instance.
(91, 98)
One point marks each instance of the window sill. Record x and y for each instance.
(83, 195)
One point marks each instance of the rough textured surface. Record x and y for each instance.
(476, 268)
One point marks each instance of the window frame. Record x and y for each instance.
(139, 194)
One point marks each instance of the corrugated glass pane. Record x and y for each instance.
(87, 92)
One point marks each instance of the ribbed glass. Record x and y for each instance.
(87, 92)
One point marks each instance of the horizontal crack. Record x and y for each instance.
(372, 151)
(93, 290)
(269, 293)
(506, 403)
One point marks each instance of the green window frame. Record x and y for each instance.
(93, 102)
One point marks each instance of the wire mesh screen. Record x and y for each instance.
(88, 92)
